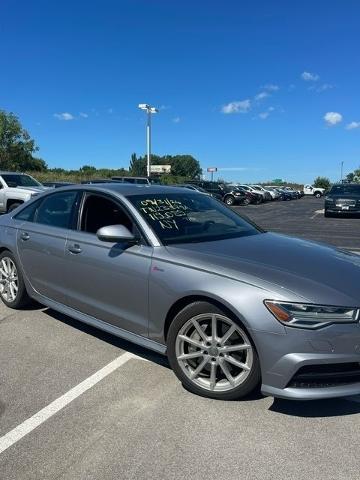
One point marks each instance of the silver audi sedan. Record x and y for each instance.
(232, 306)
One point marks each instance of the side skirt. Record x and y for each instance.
(94, 322)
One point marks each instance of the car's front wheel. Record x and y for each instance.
(229, 200)
(13, 206)
(12, 288)
(212, 354)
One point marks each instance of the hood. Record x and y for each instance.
(32, 189)
(290, 266)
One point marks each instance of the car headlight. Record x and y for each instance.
(329, 199)
(34, 194)
(237, 193)
(305, 315)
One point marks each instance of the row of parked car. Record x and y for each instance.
(231, 194)
(237, 194)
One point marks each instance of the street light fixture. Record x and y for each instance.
(149, 110)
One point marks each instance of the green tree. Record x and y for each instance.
(185, 166)
(322, 182)
(16, 146)
(88, 169)
(137, 167)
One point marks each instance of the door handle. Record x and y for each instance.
(24, 236)
(75, 248)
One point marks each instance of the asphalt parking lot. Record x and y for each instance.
(305, 218)
(76, 403)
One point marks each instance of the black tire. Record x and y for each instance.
(229, 200)
(249, 384)
(13, 206)
(317, 194)
(22, 298)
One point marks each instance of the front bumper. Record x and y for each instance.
(334, 349)
(342, 210)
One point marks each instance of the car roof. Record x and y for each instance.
(127, 189)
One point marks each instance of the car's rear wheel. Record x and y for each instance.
(12, 288)
(212, 354)
(317, 194)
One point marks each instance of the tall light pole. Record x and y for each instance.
(342, 165)
(149, 110)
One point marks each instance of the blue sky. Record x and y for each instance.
(259, 89)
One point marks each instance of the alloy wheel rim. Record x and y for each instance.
(9, 285)
(214, 352)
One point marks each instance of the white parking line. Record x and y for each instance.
(317, 212)
(40, 417)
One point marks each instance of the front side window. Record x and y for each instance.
(57, 210)
(16, 180)
(99, 211)
(190, 217)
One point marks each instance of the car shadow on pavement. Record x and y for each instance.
(334, 407)
(111, 339)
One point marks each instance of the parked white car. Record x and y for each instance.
(268, 193)
(316, 191)
(17, 188)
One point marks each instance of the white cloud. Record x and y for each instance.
(261, 96)
(176, 119)
(352, 125)
(310, 77)
(64, 116)
(332, 118)
(242, 106)
(83, 115)
(271, 87)
(325, 86)
(264, 115)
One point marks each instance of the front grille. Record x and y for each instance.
(345, 202)
(327, 375)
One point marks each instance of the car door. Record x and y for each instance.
(41, 242)
(108, 281)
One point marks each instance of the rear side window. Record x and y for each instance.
(57, 210)
(27, 214)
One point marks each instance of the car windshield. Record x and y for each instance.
(190, 218)
(20, 180)
(345, 190)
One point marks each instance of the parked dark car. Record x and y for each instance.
(252, 197)
(284, 194)
(229, 194)
(196, 188)
(138, 180)
(342, 199)
(57, 184)
(100, 180)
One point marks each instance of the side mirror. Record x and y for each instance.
(115, 233)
